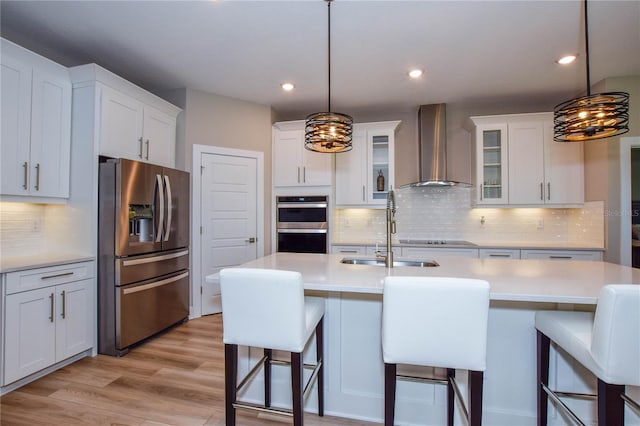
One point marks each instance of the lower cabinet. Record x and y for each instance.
(348, 250)
(499, 253)
(49, 323)
(562, 254)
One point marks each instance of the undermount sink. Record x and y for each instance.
(380, 262)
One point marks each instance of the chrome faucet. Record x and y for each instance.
(391, 226)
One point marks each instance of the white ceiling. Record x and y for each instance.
(472, 51)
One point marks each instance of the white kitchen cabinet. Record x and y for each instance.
(433, 253)
(562, 254)
(484, 253)
(36, 125)
(357, 171)
(48, 317)
(293, 164)
(348, 250)
(517, 163)
(134, 123)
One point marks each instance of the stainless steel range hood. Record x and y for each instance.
(432, 147)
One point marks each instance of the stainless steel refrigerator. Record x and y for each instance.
(143, 248)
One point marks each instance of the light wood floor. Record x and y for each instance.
(176, 378)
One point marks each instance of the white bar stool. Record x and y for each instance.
(267, 308)
(436, 322)
(607, 344)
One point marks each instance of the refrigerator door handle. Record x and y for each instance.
(167, 185)
(160, 190)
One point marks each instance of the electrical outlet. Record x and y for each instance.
(540, 223)
(36, 225)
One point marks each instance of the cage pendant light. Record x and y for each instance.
(590, 117)
(328, 131)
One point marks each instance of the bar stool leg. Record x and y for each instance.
(451, 373)
(610, 404)
(230, 380)
(296, 387)
(267, 377)
(319, 359)
(542, 348)
(389, 393)
(475, 397)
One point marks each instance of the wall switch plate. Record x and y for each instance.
(540, 223)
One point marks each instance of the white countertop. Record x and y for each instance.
(40, 260)
(480, 245)
(555, 281)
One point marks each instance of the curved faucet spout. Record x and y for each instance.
(391, 226)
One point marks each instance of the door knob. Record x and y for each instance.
(250, 240)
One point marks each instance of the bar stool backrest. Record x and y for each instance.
(263, 308)
(615, 342)
(438, 322)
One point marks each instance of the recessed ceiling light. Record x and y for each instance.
(415, 73)
(287, 87)
(565, 60)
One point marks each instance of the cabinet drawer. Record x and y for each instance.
(418, 252)
(348, 250)
(562, 255)
(44, 277)
(499, 253)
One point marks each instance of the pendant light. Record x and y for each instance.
(328, 131)
(597, 116)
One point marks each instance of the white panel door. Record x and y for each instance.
(29, 333)
(16, 126)
(526, 159)
(159, 138)
(229, 219)
(121, 126)
(50, 135)
(74, 318)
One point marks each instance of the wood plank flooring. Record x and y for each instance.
(176, 378)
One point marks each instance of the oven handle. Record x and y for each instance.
(302, 231)
(302, 205)
(155, 284)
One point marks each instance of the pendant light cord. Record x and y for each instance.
(329, 53)
(586, 42)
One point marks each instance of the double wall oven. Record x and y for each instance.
(302, 224)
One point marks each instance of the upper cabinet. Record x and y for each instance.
(36, 125)
(293, 165)
(365, 174)
(517, 162)
(133, 123)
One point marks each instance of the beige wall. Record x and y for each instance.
(602, 165)
(215, 120)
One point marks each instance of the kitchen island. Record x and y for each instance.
(353, 358)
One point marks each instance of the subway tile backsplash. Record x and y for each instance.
(437, 213)
(22, 229)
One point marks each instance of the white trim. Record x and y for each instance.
(195, 310)
(626, 143)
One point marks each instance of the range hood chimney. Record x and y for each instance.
(432, 147)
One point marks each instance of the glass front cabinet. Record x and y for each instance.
(491, 178)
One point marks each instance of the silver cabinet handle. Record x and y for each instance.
(167, 185)
(304, 174)
(499, 255)
(147, 143)
(298, 174)
(481, 192)
(548, 190)
(64, 304)
(364, 198)
(560, 257)
(26, 175)
(51, 299)
(251, 240)
(140, 140)
(37, 186)
(64, 274)
(350, 251)
(161, 207)
(541, 191)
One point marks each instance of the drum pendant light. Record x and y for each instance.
(328, 131)
(597, 116)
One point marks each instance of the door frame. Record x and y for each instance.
(195, 308)
(626, 143)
